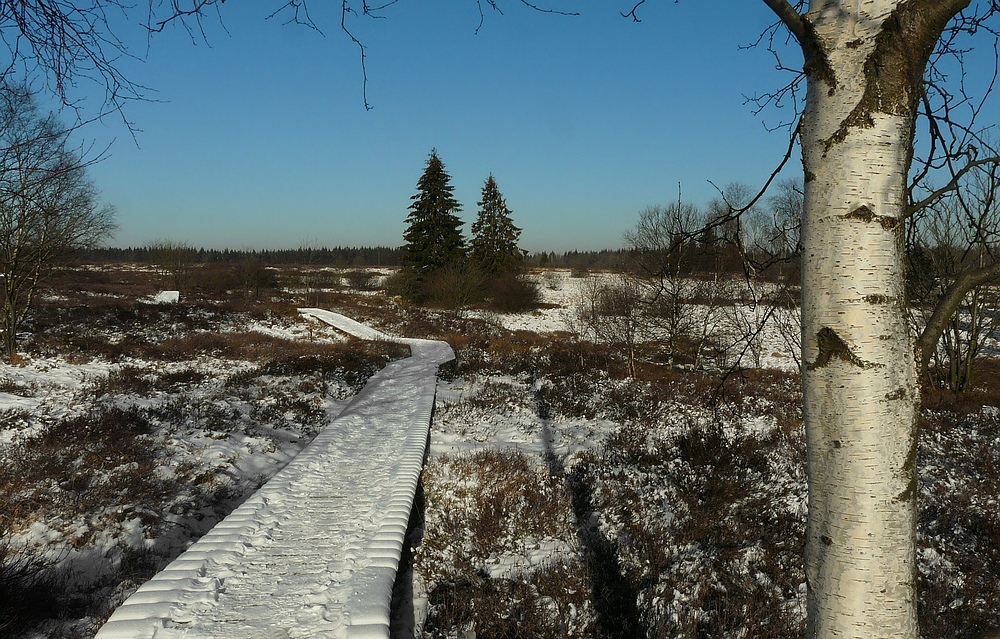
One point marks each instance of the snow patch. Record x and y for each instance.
(167, 297)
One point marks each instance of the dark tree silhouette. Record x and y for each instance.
(433, 236)
(494, 237)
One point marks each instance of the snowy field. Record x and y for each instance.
(563, 293)
(112, 468)
(561, 498)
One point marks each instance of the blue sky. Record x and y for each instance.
(259, 138)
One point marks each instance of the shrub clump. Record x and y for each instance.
(708, 528)
(25, 590)
(958, 530)
(500, 556)
(81, 465)
(513, 293)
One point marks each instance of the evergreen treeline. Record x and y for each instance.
(336, 256)
(605, 259)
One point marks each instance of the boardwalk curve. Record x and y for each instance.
(314, 552)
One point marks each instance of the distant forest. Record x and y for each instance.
(341, 256)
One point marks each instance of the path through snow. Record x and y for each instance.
(314, 552)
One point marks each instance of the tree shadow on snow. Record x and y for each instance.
(613, 597)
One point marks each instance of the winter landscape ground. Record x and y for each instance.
(561, 497)
(315, 551)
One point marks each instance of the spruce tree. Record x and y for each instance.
(434, 237)
(494, 236)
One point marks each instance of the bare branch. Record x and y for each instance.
(345, 9)
(544, 10)
(789, 17)
(632, 14)
(736, 212)
(179, 15)
(948, 305)
(70, 41)
(299, 15)
(952, 186)
(482, 16)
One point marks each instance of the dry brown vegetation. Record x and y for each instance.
(507, 508)
(110, 462)
(687, 521)
(701, 509)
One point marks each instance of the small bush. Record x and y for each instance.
(179, 379)
(550, 603)
(83, 464)
(453, 288)
(984, 391)
(401, 284)
(127, 379)
(498, 397)
(959, 523)
(15, 418)
(706, 524)
(361, 280)
(513, 294)
(354, 362)
(21, 389)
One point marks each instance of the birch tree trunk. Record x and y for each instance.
(864, 61)
(859, 381)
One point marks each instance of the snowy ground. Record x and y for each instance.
(562, 499)
(692, 515)
(734, 324)
(111, 468)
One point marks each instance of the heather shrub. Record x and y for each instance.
(500, 554)
(549, 603)
(513, 293)
(79, 466)
(400, 284)
(353, 363)
(361, 280)
(18, 388)
(958, 531)
(125, 379)
(453, 287)
(25, 589)
(707, 526)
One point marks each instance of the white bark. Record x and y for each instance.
(859, 378)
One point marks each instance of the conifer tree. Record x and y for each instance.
(494, 236)
(433, 238)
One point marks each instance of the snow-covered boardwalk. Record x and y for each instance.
(313, 553)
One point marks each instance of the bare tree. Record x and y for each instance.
(174, 261)
(728, 212)
(954, 236)
(679, 303)
(745, 319)
(865, 65)
(48, 206)
(662, 244)
(613, 313)
(252, 274)
(709, 299)
(786, 215)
